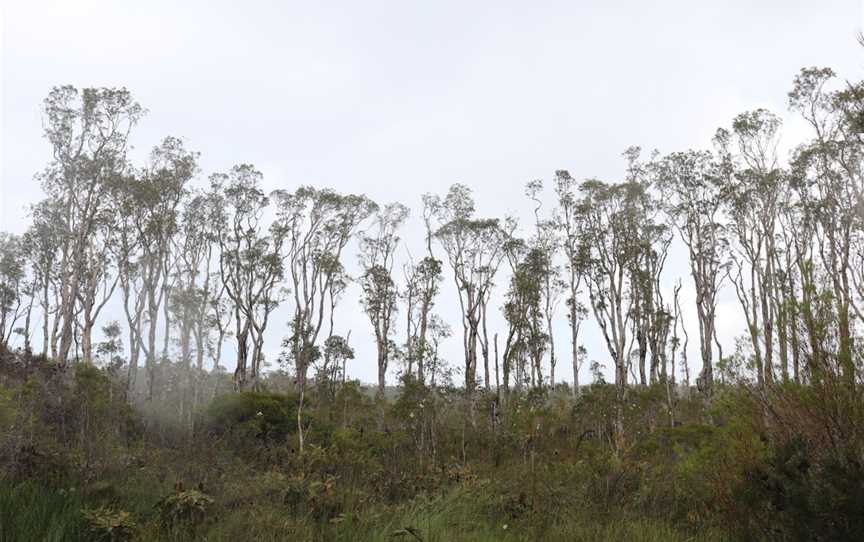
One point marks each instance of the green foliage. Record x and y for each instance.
(809, 483)
(109, 525)
(316, 498)
(33, 511)
(248, 418)
(8, 409)
(185, 509)
(533, 464)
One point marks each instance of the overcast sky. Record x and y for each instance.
(394, 99)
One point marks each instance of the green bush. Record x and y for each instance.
(246, 418)
(108, 525)
(184, 509)
(800, 494)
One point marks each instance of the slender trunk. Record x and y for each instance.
(382, 372)
(55, 328)
(217, 360)
(642, 342)
(150, 351)
(780, 307)
(471, 356)
(45, 317)
(67, 313)
(552, 359)
(166, 340)
(240, 374)
(300, 436)
(132, 370)
(199, 349)
(27, 347)
(767, 328)
(484, 345)
(574, 333)
(87, 340)
(793, 326)
(497, 377)
(409, 342)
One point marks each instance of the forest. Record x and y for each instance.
(142, 396)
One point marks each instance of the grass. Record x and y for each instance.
(463, 516)
(30, 511)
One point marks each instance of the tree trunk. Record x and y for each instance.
(87, 340)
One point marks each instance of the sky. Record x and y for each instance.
(397, 98)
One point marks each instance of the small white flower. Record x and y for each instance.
(259, 413)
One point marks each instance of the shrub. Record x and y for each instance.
(109, 525)
(798, 495)
(184, 509)
(251, 417)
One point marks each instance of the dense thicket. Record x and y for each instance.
(764, 441)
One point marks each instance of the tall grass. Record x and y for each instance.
(30, 511)
(462, 516)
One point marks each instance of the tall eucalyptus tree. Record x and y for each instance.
(153, 203)
(753, 206)
(475, 249)
(568, 221)
(377, 252)
(316, 225)
(250, 264)
(694, 194)
(88, 131)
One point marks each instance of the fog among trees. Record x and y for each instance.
(177, 345)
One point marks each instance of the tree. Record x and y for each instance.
(755, 188)
(152, 200)
(192, 295)
(110, 350)
(377, 251)
(316, 225)
(436, 367)
(129, 271)
(527, 339)
(97, 285)
(693, 192)
(88, 132)
(567, 220)
(647, 238)
(12, 284)
(830, 187)
(423, 282)
(250, 264)
(42, 240)
(605, 229)
(547, 243)
(219, 317)
(337, 351)
(475, 249)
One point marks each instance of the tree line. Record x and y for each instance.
(195, 269)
